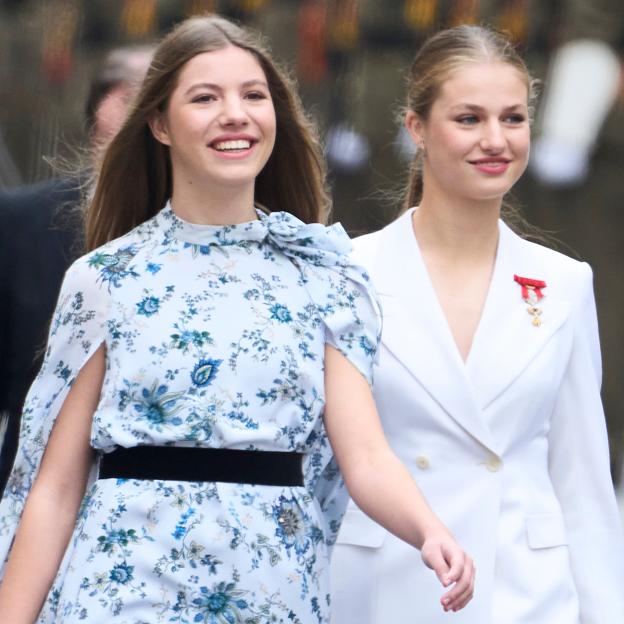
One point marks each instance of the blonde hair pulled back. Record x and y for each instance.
(440, 56)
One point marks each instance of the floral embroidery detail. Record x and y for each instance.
(157, 406)
(205, 371)
(121, 573)
(190, 337)
(222, 605)
(281, 313)
(148, 306)
(204, 250)
(291, 525)
(368, 347)
(115, 539)
(114, 267)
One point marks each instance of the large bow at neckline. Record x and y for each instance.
(319, 244)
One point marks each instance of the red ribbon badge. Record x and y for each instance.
(532, 293)
(533, 284)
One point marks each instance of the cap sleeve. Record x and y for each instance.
(340, 289)
(350, 312)
(76, 331)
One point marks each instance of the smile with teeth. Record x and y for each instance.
(232, 146)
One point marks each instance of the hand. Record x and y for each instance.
(453, 567)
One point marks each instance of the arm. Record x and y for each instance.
(379, 483)
(579, 469)
(52, 505)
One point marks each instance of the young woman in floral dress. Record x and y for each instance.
(201, 358)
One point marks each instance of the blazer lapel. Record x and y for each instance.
(415, 330)
(506, 341)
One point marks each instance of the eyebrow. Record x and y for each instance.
(477, 108)
(216, 87)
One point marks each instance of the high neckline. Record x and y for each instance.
(313, 242)
(206, 234)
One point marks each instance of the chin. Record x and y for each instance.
(494, 191)
(234, 182)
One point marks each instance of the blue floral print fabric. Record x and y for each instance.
(214, 337)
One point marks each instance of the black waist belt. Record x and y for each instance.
(177, 463)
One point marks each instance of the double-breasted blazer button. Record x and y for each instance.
(493, 463)
(422, 462)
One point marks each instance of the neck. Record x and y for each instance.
(212, 204)
(459, 229)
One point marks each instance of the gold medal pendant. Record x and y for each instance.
(532, 294)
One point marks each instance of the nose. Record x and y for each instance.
(233, 111)
(493, 137)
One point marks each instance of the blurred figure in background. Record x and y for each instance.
(581, 89)
(576, 167)
(40, 235)
(113, 90)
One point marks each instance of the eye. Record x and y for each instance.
(203, 98)
(467, 120)
(514, 118)
(256, 95)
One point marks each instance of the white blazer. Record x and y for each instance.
(510, 447)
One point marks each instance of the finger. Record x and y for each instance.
(435, 560)
(463, 585)
(463, 591)
(460, 604)
(462, 600)
(456, 559)
(453, 596)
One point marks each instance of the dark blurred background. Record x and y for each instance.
(350, 58)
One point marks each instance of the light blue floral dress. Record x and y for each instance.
(215, 337)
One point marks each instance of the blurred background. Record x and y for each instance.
(350, 58)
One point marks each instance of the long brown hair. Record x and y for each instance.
(134, 181)
(439, 56)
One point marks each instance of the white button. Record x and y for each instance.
(493, 463)
(422, 462)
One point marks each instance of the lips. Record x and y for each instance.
(491, 165)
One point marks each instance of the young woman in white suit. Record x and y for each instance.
(489, 379)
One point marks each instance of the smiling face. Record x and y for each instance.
(219, 122)
(477, 135)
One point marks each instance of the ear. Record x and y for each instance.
(158, 126)
(415, 127)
